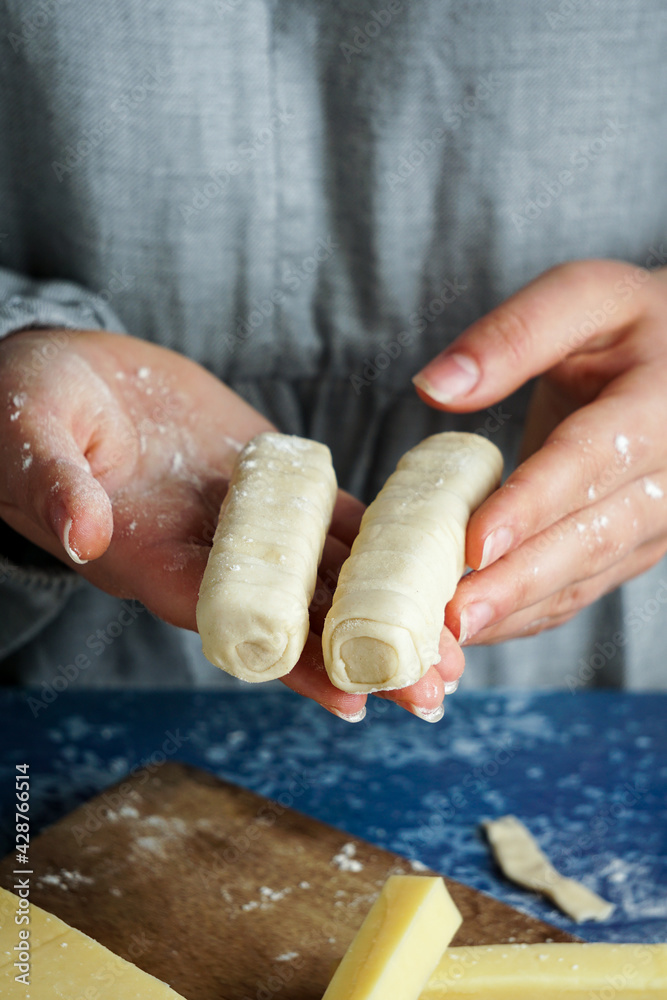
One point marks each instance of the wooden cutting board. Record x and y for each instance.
(224, 894)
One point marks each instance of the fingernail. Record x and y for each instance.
(68, 548)
(473, 619)
(495, 545)
(452, 376)
(354, 717)
(427, 714)
(451, 686)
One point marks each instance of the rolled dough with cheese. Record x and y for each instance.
(383, 629)
(252, 612)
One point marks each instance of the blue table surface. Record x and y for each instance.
(587, 773)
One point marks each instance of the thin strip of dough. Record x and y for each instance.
(383, 629)
(252, 612)
(523, 862)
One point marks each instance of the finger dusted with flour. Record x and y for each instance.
(252, 613)
(383, 629)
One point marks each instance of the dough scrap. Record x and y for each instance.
(523, 862)
(383, 629)
(252, 612)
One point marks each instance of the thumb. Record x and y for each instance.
(54, 499)
(78, 510)
(554, 316)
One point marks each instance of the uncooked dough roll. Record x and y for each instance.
(252, 613)
(384, 626)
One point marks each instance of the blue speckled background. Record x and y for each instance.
(587, 773)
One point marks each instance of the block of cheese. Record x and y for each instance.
(60, 961)
(399, 943)
(551, 972)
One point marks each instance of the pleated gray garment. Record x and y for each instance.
(312, 199)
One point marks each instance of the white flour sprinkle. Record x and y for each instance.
(128, 812)
(273, 894)
(27, 462)
(289, 956)
(652, 490)
(177, 462)
(622, 446)
(233, 443)
(267, 896)
(591, 493)
(152, 844)
(143, 373)
(345, 860)
(52, 880)
(65, 879)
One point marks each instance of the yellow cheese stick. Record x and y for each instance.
(55, 960)
(252, 612)
(551, 972)
(399, 943)
(383, 629)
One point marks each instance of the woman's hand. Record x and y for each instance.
(115, 455)
(586, 508)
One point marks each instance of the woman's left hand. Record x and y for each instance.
(586, 509)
